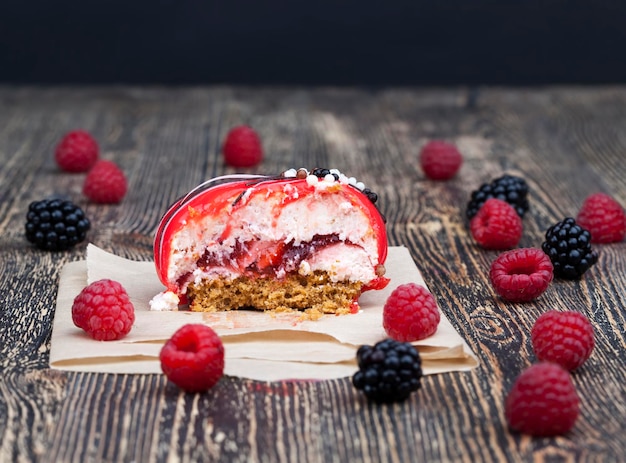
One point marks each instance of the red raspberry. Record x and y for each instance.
(105, 183)
(521, 275)
(76, 152)
(410, 313)
(242, 147)
(565, 338)
(496, 225)
(542, 401)
(603, 217)
(104, 310)
(440, 160)
(193, 358)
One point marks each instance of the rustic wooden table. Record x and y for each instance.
(566, 142)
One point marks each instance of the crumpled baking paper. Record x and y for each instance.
(258, 345)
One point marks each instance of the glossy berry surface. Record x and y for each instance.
(193, 358)
(509, 188)
(242, 147)
(569, 247)
(103, 310)
(565, 338)
(76, 152)
(105, 183)
(55, 224)
(604, 217)
(543, 401)
(440, 160)
(389, 371)
(521, 275)
(410, 313)
(496, 225)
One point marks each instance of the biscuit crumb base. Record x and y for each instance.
(313, 294)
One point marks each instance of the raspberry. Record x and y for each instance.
(389, 371)
(542, 401)
(521, 275)
(604, 218)
(410, 313)
(509, 188)
(105, 183)
(569, 247)
(193, 358)
(242, 147)
(565, 338)
(440, 160)
(55, 224)
(496, 225)
(76, 152)
(104, 310)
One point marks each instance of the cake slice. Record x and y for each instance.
(301, 241)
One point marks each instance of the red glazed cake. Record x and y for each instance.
(307, 241)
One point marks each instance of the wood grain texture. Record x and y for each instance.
(566, 142)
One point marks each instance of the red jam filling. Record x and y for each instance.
(266, 258)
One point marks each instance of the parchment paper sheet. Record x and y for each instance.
(262, 346)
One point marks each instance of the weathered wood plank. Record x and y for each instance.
(567, 143)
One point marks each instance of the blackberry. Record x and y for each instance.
(513, 190)
(389, 371)
(569, 247)
(55, 224)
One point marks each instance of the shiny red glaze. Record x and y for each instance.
(214, 199)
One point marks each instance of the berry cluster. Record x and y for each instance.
(78, 151)
(543, 400)
(389, 371)
(57, 225)
(492, 211)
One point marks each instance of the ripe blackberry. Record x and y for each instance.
(55, 224)
(513, 190)
(389, 371)
(569, 247)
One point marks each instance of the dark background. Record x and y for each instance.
(324, 42)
